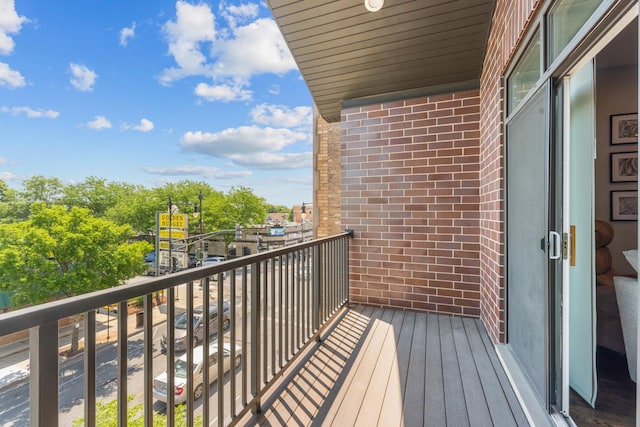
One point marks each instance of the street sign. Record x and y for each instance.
(178, 221)
(181, 260)
(163, 245)
(175, 234)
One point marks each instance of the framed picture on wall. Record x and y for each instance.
(624, 128)
(624, 167)
(624, 205)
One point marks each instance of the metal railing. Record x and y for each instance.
(278, 302)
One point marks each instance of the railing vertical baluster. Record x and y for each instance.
(273, 316)
(90, 368)
(299, 315)
(148, 360)
(206, 416)
(232, 376)
(286, 307)
(317, 298)
(345, 272)
(265, 324)
(43, 359)
(245, 318)
(280, 309)
(220, 340)
(123, 307)
(305, 293)
(256, 345)
(171, 341)
(189, 344)
(294, 294)
(335, 255)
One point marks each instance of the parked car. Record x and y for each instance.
(181, 369)
(180, 334)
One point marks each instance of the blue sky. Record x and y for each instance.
(150, 92)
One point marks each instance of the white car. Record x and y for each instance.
(180, 376)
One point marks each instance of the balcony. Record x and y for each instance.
(304, 356)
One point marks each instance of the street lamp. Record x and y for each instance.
(303, 215)
(198, 209)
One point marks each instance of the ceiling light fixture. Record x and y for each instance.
(373, 5)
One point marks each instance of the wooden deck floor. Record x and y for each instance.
(396, 368)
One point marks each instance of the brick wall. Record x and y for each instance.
(326, 179)
(511, 19)
(410, 190)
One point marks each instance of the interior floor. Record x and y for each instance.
(616, 400)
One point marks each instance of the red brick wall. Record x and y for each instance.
(511, 19)
(410, 190)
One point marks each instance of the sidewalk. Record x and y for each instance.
(14, 357)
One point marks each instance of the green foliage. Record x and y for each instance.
(41, 189)
(136, 206)
(65, 252)
(107, 415)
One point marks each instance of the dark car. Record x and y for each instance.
(180, 334)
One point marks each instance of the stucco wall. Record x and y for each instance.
(410, 191)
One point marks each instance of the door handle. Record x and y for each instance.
(555, 244)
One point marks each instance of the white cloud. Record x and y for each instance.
(206, 171)
(194, 25)
(238, 13)
(9, 77)
(282, 116)
(127, 33)
(82, 78)
(256, 48)
(274, 160)
(222, 92)
(240, 141)
(145, 125)
(31, 113)
(235, 55)
(10, 23)
(250, 146)
(8, 176)
(99, 123)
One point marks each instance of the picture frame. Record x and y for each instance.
(624, 166)
(624, 205)
(624, 128)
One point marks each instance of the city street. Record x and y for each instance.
(14, 399)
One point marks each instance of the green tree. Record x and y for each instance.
(12, 208)
(42, 189)
(240, 206)
(95, 194)
(60, 252)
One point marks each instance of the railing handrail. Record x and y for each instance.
(49, 312)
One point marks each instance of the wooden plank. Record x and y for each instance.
(348, 411)
(455, 403)
(434, 407)
(298, 402)
(514, 404)
(414, 397)
(376, 395)
(335, 398)
(393, 392)
(475, 398)
(496, 400)
(390, 415)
